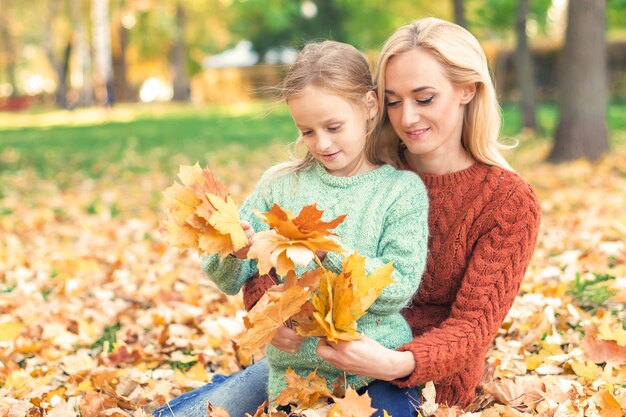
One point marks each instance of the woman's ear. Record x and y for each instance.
(468, 91)
(371, 104)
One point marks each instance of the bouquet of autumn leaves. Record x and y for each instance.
(203, 217)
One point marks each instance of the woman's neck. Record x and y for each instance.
(438, 164)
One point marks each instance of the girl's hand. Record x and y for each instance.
(249, 231)
(366, 357)
(287, 340)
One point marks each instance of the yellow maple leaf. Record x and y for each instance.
(352, 405)
(587, 370)
(342, 299)
(201, 215)
(10, 331)
(292, 240)
(303, 392)
(272, 310)
(612, 331)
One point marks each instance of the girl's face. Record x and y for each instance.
(425, 109)
(333, 129)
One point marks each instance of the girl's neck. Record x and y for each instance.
(359, 167)
(439, 164)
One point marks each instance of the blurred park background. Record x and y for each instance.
(102, 100)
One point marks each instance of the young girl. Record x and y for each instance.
(330, 95)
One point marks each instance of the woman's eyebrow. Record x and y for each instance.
(415, 90)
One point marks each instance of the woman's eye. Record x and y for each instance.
(334, 128)
(392, 103)
(426, 101)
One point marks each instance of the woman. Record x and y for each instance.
(442, 121)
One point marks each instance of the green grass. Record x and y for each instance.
(92, 142)
(182, 134)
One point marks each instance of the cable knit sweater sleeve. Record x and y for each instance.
(230, 273)
(492, 279)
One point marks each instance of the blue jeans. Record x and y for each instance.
(244, 391)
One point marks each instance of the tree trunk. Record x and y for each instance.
(60, 68)
(582, 129)
(119, 63)
(101, 29)
(82, 56)
(177, 58)
(8, 47)
(459, 13)
(525, 72)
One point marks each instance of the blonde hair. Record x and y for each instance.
(338, 68)
(464, 62)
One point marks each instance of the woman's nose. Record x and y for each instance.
(410, 115)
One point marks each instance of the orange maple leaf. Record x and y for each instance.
(272, 310)
(342, 299)
(303, 392)
(292, 240)
(201, 215)
(352, 405)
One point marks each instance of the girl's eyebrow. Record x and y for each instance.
(415, 90)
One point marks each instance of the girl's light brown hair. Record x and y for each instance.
(465, 62)
(339, 69)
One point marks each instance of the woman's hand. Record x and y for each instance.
(287, 340)
(366, 357)
(249, 231)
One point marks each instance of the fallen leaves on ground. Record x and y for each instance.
(97, 310)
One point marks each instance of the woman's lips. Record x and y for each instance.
(417, 133)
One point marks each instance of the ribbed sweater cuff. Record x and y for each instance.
(418, 375)
(255, 287)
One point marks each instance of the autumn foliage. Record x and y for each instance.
(99, 315)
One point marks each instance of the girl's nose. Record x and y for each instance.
(323, 142)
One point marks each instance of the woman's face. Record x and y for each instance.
(425, 109)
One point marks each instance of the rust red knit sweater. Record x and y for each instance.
(483, 225)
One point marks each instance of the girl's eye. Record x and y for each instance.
(392, 104)
(334, 128)
(427, 101)
(307, 132)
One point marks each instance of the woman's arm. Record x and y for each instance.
(491, 282)
(488, 289)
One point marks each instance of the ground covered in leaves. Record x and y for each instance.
(100, 317)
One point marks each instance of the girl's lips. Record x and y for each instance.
(417, 133)
(330, 156)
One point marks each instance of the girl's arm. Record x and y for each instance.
(230, 273)
(404, 241)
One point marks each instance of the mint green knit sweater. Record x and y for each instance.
(387, 220)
